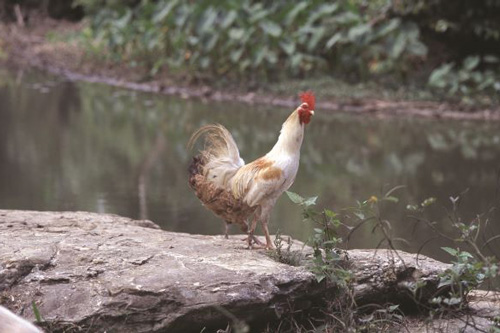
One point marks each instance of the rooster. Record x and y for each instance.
(239, 192)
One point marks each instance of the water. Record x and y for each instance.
(81, 146)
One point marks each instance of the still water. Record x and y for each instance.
(81, 146)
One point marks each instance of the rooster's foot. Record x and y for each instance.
(261, 246)
(254, 239)
(255, 243)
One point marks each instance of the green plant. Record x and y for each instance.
(38, 317)
(329, 262)
(254, 39)
(495, 327)
(468, 78)
(285, 255)
(370, 211)
(469, 269)
(465, 274)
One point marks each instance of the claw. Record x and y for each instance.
(255, 243)
(270, 246)
(251, 239)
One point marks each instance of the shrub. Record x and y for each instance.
(467, 79)
(256, 39)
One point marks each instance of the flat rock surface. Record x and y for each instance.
(99, 272)
(85, 269)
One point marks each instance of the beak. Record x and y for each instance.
(312, 112)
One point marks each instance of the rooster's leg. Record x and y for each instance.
(251, 230)
(226, 229)
(265, 215)
(257, 241)
(269, 243)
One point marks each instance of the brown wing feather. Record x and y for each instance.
(221, 202)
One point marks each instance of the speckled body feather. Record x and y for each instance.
(221, 202)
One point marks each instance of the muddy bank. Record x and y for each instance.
(34, 46)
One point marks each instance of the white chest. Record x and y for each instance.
(289, 164)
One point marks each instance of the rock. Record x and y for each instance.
(105, 272)
(385, 276)
(484, 307)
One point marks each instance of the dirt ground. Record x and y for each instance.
(41, 46)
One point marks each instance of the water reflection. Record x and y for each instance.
(78, 146)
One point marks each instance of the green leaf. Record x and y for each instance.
(207, 21)
(124, 20)
(320, 277)
(229, 19)
(471, 62)
(235, 55)
(160, 15)
(438, 76)
(296, 60)
(257, 13)
(359, 30)
(271, 57)
(345, 18)
(288, 46)
(465, 254)
(360, 215)
(205, 62)
(210, 42)
(292, 14)
(315, 38)
(333, 40)
(393, 308)
(445, 281)
(271, 28)
(236, 33)
(491, 59)
(388, 27)
(417, 48)
(193, 40)
(310, 201)
(325, 10)
(398, 45)
(452, 301)
(38, 317)
(259, 56)
(295, 197)
(451, 251)
(330, 213)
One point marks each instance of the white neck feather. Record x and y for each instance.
(291, 136)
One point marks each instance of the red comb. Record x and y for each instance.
(308, 97)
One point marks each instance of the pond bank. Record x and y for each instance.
(105, 272)
(38, 47)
